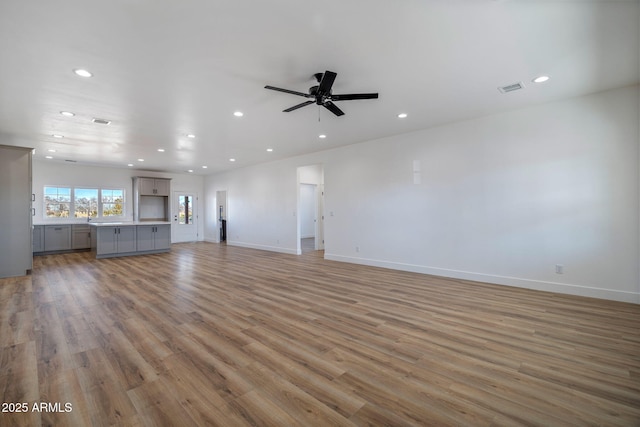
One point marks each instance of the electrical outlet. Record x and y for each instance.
(559, 269)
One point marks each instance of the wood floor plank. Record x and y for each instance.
(130, 367)
(156, 406)
(228, 382)
(259, 410)
(214, 335)
(304, 408)
(62, 401)
(323, 389)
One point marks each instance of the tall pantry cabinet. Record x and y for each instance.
(16, 256)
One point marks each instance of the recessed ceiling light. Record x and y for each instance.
(232, 160)
(48, 157)
(101, 121)
(540, 79)
(402, 115)
(67, 113)
(238, 114)
(322, 136)
(82, 72)
(270, 149)
(204, 167)
(141, 160)
(190, 135)
(51, 150)
(130, 164)
(57, 136)
(190, 171)
(161, 150)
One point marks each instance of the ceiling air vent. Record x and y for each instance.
(511, 87)
(101, 121)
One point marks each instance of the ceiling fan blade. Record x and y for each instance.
(333, 108)
(327, 82)
(351, 96)
(295, 107)
(292, 92)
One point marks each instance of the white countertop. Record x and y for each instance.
(128, 223)
(103, 224)
(59, 223)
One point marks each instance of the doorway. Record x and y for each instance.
(308, 218)
(310, 208)
(221, 215)
(185, 218)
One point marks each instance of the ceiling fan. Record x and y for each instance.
(321, 94)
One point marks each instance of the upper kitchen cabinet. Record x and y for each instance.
(153, 186)
(151, 199)
(16, 250)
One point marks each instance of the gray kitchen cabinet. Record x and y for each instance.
(80, 236)
(163, 237)
(115, 240)
(151, 198)
(57, 238)
(153, 186)
(153, 237)
(16, 247)
(38, 238)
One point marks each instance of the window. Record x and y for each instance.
(112, 202)
(81, 202)
(85, 202)
(186, 209)
(57, 202)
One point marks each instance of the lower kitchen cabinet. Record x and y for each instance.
(60, 238)
(38, 238)
(153, 237)
(80, 236)
(57, 238)
(115, 240)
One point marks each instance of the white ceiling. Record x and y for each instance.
(166, 68)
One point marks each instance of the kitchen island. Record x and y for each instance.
(116, 239)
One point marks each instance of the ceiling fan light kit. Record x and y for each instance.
(321, 94)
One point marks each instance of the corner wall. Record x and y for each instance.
(502, 199)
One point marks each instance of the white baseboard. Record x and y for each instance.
(563, 288)
(263, 247)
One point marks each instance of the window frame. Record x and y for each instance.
(101, 203)
(75, 205)
(72, 203)
(45, 202)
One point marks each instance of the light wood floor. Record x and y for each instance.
(308, 244)
(219, 335)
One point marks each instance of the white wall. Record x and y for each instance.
(63, 174)
(311, 174)
(502, 199)
(261, 207)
